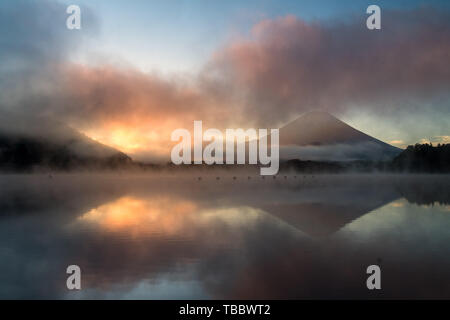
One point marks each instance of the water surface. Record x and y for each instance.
(168, 237)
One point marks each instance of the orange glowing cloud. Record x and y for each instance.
(135, 112)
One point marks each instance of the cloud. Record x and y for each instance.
(117, 105)
(132, 110)
(436, 140)
(34, 42)
(284, 67)
(398, 143)
(287, 66)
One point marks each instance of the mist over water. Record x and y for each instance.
(222, 236)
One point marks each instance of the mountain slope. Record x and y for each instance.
(321, 136)
(28, 143)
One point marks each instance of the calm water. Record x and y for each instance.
(162, 237)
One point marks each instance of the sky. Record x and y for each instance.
(139, 69)
(179, 35)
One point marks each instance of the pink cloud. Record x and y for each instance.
(288, 66)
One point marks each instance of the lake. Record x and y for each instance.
(218, 236)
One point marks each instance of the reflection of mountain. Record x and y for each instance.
(316, 219)
(320, 136)
(324, 209)
(27, 143)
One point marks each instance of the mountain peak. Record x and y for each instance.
(319, 128)
(318, 114)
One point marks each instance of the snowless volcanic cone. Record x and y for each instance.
(321, 136)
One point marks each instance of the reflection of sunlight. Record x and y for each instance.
(164, 215)
(141, 216)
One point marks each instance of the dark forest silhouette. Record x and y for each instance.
(423, 158)
(24, 154)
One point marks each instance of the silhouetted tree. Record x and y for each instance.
(424, 158)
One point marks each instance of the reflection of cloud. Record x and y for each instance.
(137, 216)
(166, 216)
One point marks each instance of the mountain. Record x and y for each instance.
(320, 136)
(28, 143)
